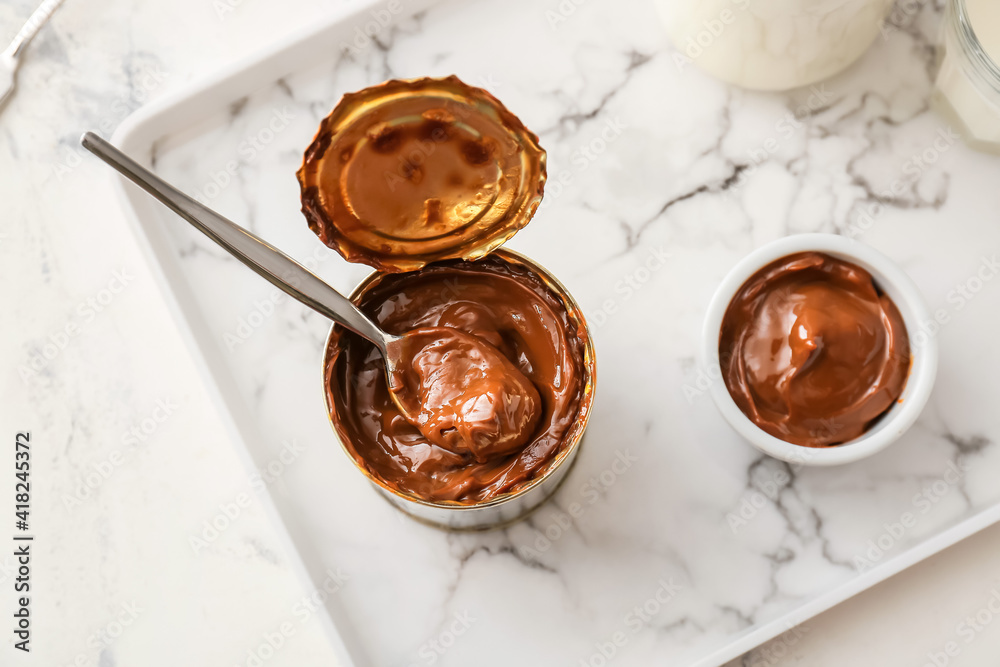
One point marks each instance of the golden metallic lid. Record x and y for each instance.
(410, 172)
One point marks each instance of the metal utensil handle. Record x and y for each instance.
(281, 270)
(31, 27)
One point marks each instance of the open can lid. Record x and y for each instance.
(410, 172)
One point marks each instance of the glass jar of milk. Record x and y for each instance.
(967, 88)
(772, 44)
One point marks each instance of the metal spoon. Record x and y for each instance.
(446, 419)
(10, 59)
(275, 266)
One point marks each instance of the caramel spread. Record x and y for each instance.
(516, 340)
(463, 395)
(410, 172)
(812, 351)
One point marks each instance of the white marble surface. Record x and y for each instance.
(680, 175)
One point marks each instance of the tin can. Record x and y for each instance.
(505, 508)
(416, 173)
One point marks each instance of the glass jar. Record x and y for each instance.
(772, 44)
(967, 86)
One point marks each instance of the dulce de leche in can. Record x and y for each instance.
(424, 180)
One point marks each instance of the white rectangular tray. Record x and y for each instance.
(654, 566)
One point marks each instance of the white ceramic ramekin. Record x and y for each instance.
(891, 280)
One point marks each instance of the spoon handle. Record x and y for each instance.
(34, 23)
(278, 268)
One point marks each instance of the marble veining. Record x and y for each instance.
(643, 158)
(671, 533)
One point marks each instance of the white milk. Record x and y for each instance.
(772, 44)
(985, 18)
(968, 81)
